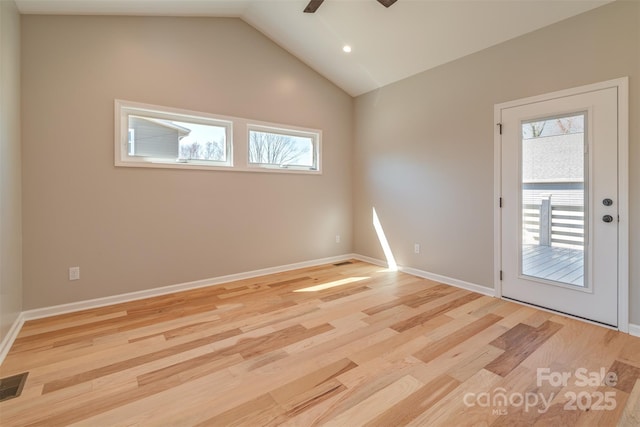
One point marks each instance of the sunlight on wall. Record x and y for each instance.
(333, 284)
(391, 261)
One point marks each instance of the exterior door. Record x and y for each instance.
(559, 186)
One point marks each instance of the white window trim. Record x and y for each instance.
(125, 108)
(314, 134)
(237, 140)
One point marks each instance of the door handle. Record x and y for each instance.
(607, 218)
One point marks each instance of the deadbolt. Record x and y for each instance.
(607, 202)
(607, 218)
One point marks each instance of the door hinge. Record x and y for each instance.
(500, 274)
(500, 202)
(499, 127)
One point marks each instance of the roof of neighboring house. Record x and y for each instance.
(182, 131)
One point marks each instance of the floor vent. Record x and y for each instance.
(343, 263)
(11, 387)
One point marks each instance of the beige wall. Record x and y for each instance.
(10, 173)
(424, 146)
(131, 229)
(423, 153)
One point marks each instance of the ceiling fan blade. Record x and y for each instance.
(313, 6)
(387, 3)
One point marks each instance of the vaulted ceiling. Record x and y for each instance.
(387, 44)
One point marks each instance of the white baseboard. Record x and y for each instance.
(10, 337)
(432, 276)
(39, 313)
(634, 330)
(370, 260)
(450, 281)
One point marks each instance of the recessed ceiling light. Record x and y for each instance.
(346, 48)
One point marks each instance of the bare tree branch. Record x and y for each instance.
(270, 148)
(195, 151)
(537, 128)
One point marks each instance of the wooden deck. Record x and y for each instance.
(552, 263)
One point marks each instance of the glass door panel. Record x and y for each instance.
(553, 181)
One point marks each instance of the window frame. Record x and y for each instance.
(237, 140)
(124, 109)
(314, 134)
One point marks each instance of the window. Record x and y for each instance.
(278, 148)
(154, 136)
(169, 137)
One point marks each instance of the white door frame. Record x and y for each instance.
(622, 85)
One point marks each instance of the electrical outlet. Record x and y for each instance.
(74, 273)
(337, 238)
(416, 248)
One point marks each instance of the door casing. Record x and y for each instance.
(622, 85)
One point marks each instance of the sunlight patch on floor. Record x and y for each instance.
(333, 284)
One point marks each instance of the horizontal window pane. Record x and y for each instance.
(557, 126)
(278, 149)
(175, 140)
(203, 143)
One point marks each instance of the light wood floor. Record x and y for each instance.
(340, 345)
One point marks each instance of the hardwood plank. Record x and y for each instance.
(630, 353)
(474, 362)
(427, 294)
(392, 343)
(254, 412)
(446, 362)
(408, 409)
(631, 413)
(377, 403)
(564, 349)
(366, 380)
(291, 390)
(519, 345)
(343, 294)
(126, 364)
(311, 416)
(627, 375)
(293, 398)
(434, 350)
(428, 315)
(606, 415)
(304, 401)
(453, 404)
